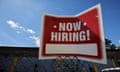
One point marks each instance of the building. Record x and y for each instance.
(25, 59)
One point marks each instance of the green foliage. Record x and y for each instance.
(118, 47)
(109, 44)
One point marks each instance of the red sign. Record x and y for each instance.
(80, 35)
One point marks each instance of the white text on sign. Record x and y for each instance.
(70, 32)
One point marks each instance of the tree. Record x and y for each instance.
(118, 47)
(113, 46)
(108, 42)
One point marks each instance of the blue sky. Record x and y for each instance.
(20, 20)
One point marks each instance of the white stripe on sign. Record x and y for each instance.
(86, 49)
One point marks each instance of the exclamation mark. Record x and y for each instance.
(88, 34)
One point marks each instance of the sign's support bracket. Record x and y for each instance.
(66, 64)
(59, 61)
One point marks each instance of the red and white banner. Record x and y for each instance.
(81, 35)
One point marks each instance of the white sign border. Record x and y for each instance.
(103, 60)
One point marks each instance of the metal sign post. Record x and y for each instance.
(67, 64)
(59, 63)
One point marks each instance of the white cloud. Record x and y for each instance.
(37, 42)
(119, 41)
(15, 25)
(33, 37)
(36, 39)
(12, 24)
(22, 28)
(19, 28)
(30, 31)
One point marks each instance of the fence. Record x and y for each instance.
(25, 59)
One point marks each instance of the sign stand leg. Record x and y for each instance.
(113, 63)
(65, 64)
(59, 62)
(95, 67)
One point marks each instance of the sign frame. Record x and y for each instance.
(103, 50)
